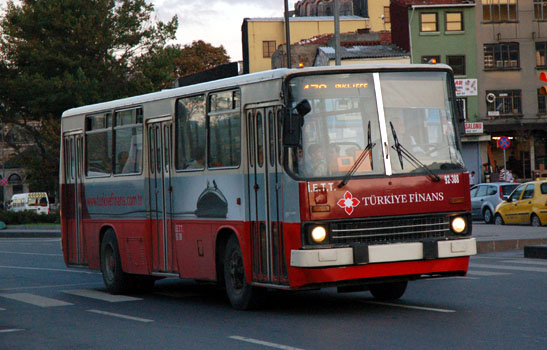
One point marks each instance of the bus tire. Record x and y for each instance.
(115, 280)
(242, 295)
(388, 291)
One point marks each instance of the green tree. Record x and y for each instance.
(162, 66)
(60, 54)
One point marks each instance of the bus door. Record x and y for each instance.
(72, 197)
(265, 195)
(159, 159)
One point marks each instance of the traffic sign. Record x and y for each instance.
(3, 182)
(504, 142)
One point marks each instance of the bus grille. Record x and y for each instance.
(393, 230)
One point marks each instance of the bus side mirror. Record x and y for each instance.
(293, 122)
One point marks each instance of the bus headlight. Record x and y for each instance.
(318, 234)
(459, 225)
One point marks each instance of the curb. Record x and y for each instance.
(30, 233)
(484, 247)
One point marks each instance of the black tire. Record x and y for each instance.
(487, 215)
(242, 295)
(115, 280)
(388, 291)
(535, 221)
(498, 220)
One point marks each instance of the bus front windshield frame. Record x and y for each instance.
(358, 117)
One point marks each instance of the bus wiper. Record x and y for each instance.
(403, 152)
(362, 156)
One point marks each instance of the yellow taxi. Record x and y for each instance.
(527, 204)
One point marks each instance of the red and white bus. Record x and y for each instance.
(291, 179)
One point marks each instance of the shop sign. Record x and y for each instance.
(466, 87)
(474, 128)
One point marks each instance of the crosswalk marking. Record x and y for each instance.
(120, 316)
(503, 267)
(527, 262)
(95, 294)
(35, 300)
(486, 273)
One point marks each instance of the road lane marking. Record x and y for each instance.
(528, 262)
(120, 316)
(2, 309)
(264, 343)
(486, 273)
(11, 330)
(95, 294)
(47, 269)
(423, 308)
(516, 268)
(35, 300)
(24, 253)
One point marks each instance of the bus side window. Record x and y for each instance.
(190, 133)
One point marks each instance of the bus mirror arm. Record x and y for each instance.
(293, 122)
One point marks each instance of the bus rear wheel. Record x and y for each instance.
(115, 280)
(242, 295)
(388, 291)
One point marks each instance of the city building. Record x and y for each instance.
(261, 37)
(443, 31)
(512, 51)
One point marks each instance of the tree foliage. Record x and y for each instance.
(60, 54)
(162, 66)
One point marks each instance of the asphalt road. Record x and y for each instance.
(501, 304)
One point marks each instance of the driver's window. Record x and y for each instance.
(529, 192)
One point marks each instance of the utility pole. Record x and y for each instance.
(337, 33)
(288, 34)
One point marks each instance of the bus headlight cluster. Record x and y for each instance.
(318, 234)
(459, 225)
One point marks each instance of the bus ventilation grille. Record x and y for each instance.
(399, 229)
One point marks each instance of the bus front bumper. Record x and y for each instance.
(383, 253)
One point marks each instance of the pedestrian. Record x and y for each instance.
(509, 176)
(472, 178)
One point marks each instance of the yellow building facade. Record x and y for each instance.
(262, 36)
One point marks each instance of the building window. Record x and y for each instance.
(431, 59)
(542, 109)
(501, 56)
(503, 103)
(540, 10)
(541, 54)
(499, 10)
(429, 22)
(387, 17)
(268, 48)
(454, 21)
(457, 63)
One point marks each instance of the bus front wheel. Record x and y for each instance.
(388, 291)
(242, 295)
(115, 280)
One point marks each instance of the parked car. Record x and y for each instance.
(526, 205)
(486, 196)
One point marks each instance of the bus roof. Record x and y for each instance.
(239, 80)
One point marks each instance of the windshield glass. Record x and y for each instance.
(335, 132)
(344, 120)
(417, 108)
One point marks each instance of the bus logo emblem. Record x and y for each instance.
(348, 202)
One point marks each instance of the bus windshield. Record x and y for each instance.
(353, 123)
